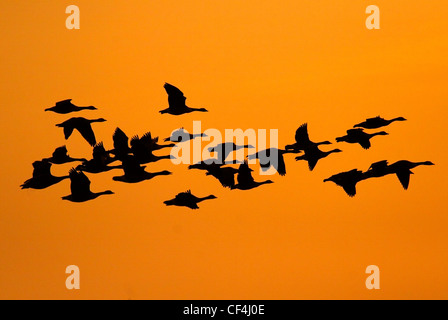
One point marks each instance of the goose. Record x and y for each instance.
(402, 169)
(66, 106)
(60, 156)
(245, 179)
(211, 163)
(80, 188)
(176, 102)
(187, 199)
(134, 172)
(42, 177)
(83, 126)
(224, 149)
(278, 162)
(303, 141)
(359, 136)
(180, 135)
(142, 149)
(377, 122)
(314, 154)
(99, 162)
(225, 175)
(347, 180)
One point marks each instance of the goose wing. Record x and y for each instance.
(365, 143)
(350, 188)
(63, 102)
(404, 176)
(302, 134)
(60, 152)
(176, 98)
(79, 183)
(120, 140)
(87, 132)
(244, 174)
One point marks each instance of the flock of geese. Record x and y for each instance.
(130, 156)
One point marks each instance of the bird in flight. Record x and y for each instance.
(42, 177)
(347, 180)
(176, 102)
(313, 154)
(303, 141)
(66, 106)
(187, 199)
(377, 122)
(80, 188)
(82, 125)
(272, 157)
(60, 156)
(359, 136)
(245, 179)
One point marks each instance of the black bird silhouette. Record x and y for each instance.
(348, 180)
(187, 199)
(314, 154)
(121, 144)
(225, 175)
(82, 125)
(134, 172)
(377, 122)
(278, 161)
(378, 169)
(80, 188)
(245, 179)
(42, 177)
(211, 163)
(403, 171)
(143, 148)
(60, 156)
(180, 135)
(303, 141)
(224, 149)
(176, 102)
(359, 136)
(66, 106)
(99, 162)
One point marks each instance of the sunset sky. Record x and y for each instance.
(252, 64)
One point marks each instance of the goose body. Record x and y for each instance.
(42, 177)
(272, 157)
(80, 188)
(347, 180)
(314, 154)
(60, 156)
(225, 175)
(223, 150)
(176, 102)
(360, 137)
(402, 169)
(180, 135)
(245, 179)
(134, 172)
(66, 106)
(377, 122)
(143, 148)
(187, 199)
(82, 125)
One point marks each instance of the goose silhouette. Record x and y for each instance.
(245, 179)
(82, 125)
(187, 199)
(377, 122)
(66, 106)
(225, 175)
(223, 150)
(313, 154)
(347, 180)
(180, 135)
(402, 169)
(42, 177)
(277, 161)
(359, 136)
(303, 141)
(176, 102)
(60, 156)
(80, 188)
(134, 172)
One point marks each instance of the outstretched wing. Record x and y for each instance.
(365, 143)
(350, 189)
(63, 102)
(302, 134)
(244, 174)
(176, 98)
(404, 176)
(87, 132)
(120, 140)
(79, 183)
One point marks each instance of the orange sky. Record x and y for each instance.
(252, 64)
